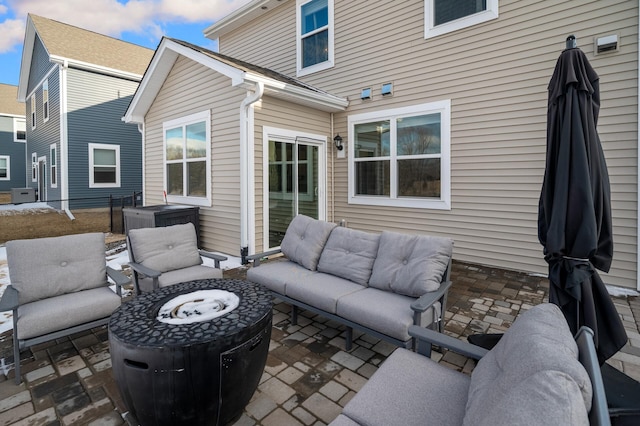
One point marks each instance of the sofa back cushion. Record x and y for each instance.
(47, 267)
(533, 372)
(410, 264)
(349, 254)
(304, 240)
(165, 248)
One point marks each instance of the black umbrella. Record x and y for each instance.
(574, 218)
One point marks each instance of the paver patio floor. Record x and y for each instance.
(309, 376)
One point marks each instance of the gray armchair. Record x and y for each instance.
(160, 257)
(59, 286)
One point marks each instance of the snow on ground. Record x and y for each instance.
(115, 259)
(8, 208)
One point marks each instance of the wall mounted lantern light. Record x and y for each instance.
(338, 142)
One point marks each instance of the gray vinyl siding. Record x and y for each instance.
(45, 134)
(496, 76)
(95, 106)
(40, 65)
(16, 151)
(192, 88)
(274, 112)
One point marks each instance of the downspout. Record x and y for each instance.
(144, 192)
(245, 184)
(64, 141)
(333, 188)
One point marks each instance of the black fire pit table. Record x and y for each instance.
(174, 368)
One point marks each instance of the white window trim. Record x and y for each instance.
(116, 148)
(33, 111)
(444, 203)
(8, 158)
(34, 167)
(477, 18)
(184, 121)
(45, 102)
(330, 62)
(53, 165)
(17, 120)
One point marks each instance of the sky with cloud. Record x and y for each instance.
(142, 22)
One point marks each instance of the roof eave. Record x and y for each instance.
(25, 64)
(239, 17)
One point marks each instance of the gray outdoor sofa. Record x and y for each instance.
(537, 374)
(59, 286)
(377, 283)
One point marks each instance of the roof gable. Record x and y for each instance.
(83, 49)
(9, 104)
(242, 74)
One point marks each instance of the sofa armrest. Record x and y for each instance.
(425, 301)
(216, 257)
(119, 278)
(426, 338)
(9, 299)
(258, 256)
(141, 269)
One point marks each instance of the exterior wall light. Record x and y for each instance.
(338, 142)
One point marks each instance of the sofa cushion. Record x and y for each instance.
(388, 313)
(165, 248)
(349, 254)
(304, 240)
(322, 291)
(535, 368)
(45, 316)
(402, 392)
(410, 264)
(64, 265)
(276, 274)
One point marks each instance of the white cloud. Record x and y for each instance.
(12, 31)
(112, 17)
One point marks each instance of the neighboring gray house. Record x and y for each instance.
(13, 173)
(76, 85)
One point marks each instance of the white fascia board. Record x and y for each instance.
(72, 63)
(239, 17)
(299, 95)
(25, 64)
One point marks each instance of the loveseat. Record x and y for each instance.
(537, 374)
(377, 283)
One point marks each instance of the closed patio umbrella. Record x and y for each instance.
(574, 217)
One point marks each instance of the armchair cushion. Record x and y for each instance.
(349, 254)
(165, 248)
(304, 240)
(410, 264)
(533, 367)
(64, 265)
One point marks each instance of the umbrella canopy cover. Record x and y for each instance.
(574, 217)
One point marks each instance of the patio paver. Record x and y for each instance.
(309, 376)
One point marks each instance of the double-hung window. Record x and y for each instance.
(401, 157)
(104, 165)
(315, 36)
(45, 101)
(19, 130)
(34, 167)
(444, 16)
(5, 170)
(187, 159)
(53, 165)
(33, 111)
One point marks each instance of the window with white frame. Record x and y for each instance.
(104, 165)
(19, 130)
(53, 165)
(315, 36)
(45, 101)
(401, 157)
(187, 159)
(34, 167)
(5, 167)
(33, 111)
(444, 16)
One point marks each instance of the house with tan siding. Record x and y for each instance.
(76, 85)
(441, 114)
